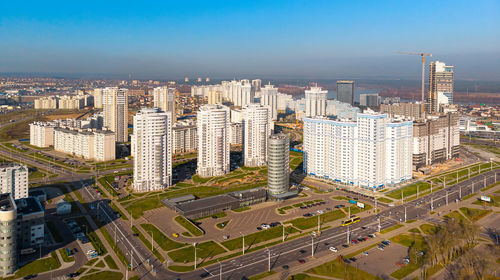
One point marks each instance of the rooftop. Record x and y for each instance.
(28, 205)
(6, 202)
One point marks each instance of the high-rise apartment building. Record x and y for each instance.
(8, 229)
(278, 164)
(345, 91)
(98, 145)
(42, 134)
(152, 146)
(440, 85)
(115, 104)
(256, 131)
(213, 140)
(164, 99)
(408, 110)
(185, 137)
(257, 84)
(98, 95)
(14, 180)
(369, 100)
(436, 139)
(269, 97)
(372, 151)
(316, 102)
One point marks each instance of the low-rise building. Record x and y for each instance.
(30, 223)
(63, 207)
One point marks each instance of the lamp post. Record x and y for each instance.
(268, 260)
(152, 240)
(312, 246)
(243, 241)
(194, 245)
(220, 270)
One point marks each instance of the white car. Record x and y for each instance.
(320, 211)
(266, 226)
(89, 252)
(333, 249)
(365, 253)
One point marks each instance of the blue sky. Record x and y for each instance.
(310, 39)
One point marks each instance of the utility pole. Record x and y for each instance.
(484, 184)
(220, 271)
(447, 198)
(468, 173)
(194, 245)
(312, 246)
(432, 203)
(472, 187)
(402, 196)
(319, 226)
(283, 233)
(378, 225)
(349, 211)
(243, 245)
(405, 214)
(269, 260)
(431, 186)
(460, 192)
(374, 197)
(348, 233)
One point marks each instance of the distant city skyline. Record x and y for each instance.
(278, 39)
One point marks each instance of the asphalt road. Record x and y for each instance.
(288, 252)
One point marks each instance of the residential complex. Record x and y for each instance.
(115, 105)
(152, 150)
(256, 131)
(14, 180)
(42, 134)
(436, 139)
(98, 145)
(315, 102)
(164, 99)
(185, 136)
(440, 85)
(278, 164)
(408, 110)
(345, 91)
(369, 100)
(71, 102)
(213, 140)
(372, 151)
(269, 97)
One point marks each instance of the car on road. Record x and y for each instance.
(365, 253)
(386, 242)
(90, 252)
(354, 241)
(320, 211)
(333, 249)
(135, 234)
(345, 245)
(302, 251)
(72, 275)
(259, 228)
(381, 248)
(285, 267)
(301, 261)
(205, 274)
(175, 234)
(353, 259)
(346, 261)
(226, 237)
(371, 235)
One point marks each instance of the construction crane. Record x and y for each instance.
(423, 71)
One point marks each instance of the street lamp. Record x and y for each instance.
(194, 245)
(152, 249)
(220, 271)
(268, 259)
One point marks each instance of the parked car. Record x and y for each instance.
(301, 261)
(333, 249)
(365, 253)
(285, 267)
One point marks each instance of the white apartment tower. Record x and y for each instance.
(115, 104)
(213, 140)
(42, 134)
(152, 150)
(164, 99)
(371, 152)
(256, 131)
(269, 97)
(315, 102)
(14, 180)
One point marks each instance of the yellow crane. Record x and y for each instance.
(423, 71)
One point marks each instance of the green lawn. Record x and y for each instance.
(304, 223)
(203, 250)
(147, 243)
(65, 256)
(389, 229)
(39, 266)
(257, 237)
(338, 269)
(103, 275)
(302, 276)
(194, 230)
(474, 214)
(262, 275)
(409, 190)
(385, 200)
(408, 240)
(428, 229)
(495, 201)
(241, 209)
(164, 242)
(222, 225)
(355, 209)
(110, 262)
(338, 197)
(100, 264)
(218, 215)
(456, 216)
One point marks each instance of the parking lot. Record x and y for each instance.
(382, 263)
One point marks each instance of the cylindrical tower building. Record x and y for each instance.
(8, 245)
(278, 162)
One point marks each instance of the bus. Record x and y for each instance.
(350, 221)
